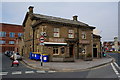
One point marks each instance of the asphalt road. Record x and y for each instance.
(107, 72)
(116, 56)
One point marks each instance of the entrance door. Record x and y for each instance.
(71, 50)
(94, 52)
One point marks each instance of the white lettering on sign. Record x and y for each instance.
(84, 42)
(60, 40)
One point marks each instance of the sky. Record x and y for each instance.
(102, 15)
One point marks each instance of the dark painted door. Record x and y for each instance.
(94, 52)
(71, 50)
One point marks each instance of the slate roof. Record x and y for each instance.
(55, 19)
(96, 36)
(60, 20)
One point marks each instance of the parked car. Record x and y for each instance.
(8, 53)
(19, 57)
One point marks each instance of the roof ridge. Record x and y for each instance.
(59, 18)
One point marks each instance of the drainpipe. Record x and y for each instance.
(78, 42)
(33, 37)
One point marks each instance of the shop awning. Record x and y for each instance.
(54, 44)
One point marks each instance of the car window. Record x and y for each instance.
(17, 53)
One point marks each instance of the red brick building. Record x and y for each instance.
(8, 35)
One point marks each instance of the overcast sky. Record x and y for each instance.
(102, 15)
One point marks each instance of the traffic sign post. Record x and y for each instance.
(42, 44)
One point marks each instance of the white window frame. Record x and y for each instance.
(56, 48)
(56, 32)
(2, 34)
(84, 50)
(71, 33)
(83, 35)
(2, 42)
(11, 42)
(12, 36)
(20, 34)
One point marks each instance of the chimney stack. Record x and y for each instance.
(31, 9)
(75, 18)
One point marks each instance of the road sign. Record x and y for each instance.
(41, 39)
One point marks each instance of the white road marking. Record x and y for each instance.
(51, 71)
(115, 70)
(116, 65)
(3, 73)
(40, 71)
(17, 72)
(29, 72)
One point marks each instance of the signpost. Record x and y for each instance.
(42, 44)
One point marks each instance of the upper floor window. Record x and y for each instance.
(2, 34)
(71, 34)
(56, 32)
(83, 35)
(2, 42)
(20, 34)
(11, 34)
(11, 42)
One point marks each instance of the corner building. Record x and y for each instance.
(64, 39)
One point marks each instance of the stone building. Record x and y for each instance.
(63, 40)
(97, 46)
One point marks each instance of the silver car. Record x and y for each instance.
(19, 57)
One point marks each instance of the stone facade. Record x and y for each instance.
(97, 46)
(64, 40)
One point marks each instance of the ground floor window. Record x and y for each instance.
(62, 50)
(55, 51)
(58, 50)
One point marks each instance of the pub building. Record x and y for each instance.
(62, 39)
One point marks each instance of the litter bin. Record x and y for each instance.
(36, 55)
(31, 56)
(45, 58)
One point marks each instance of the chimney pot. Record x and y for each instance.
(31, 9)
(75, 18)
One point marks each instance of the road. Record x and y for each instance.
(108, 72)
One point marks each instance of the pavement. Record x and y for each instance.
(78, 65)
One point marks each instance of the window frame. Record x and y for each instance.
(2, 34)
(71, 33)
(11, 41)
(83, 35)
(20, 34)
(56, 48)
(56, 32)
(11, 35)
(2, 42)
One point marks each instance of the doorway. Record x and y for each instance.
(94, 52)
(71, 50)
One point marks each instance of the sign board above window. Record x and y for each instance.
(60, 40)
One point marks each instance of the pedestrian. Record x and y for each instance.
(14, 59)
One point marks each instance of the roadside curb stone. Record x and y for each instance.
(77, 65)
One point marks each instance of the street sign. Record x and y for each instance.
(41, 39)
(43, 34)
